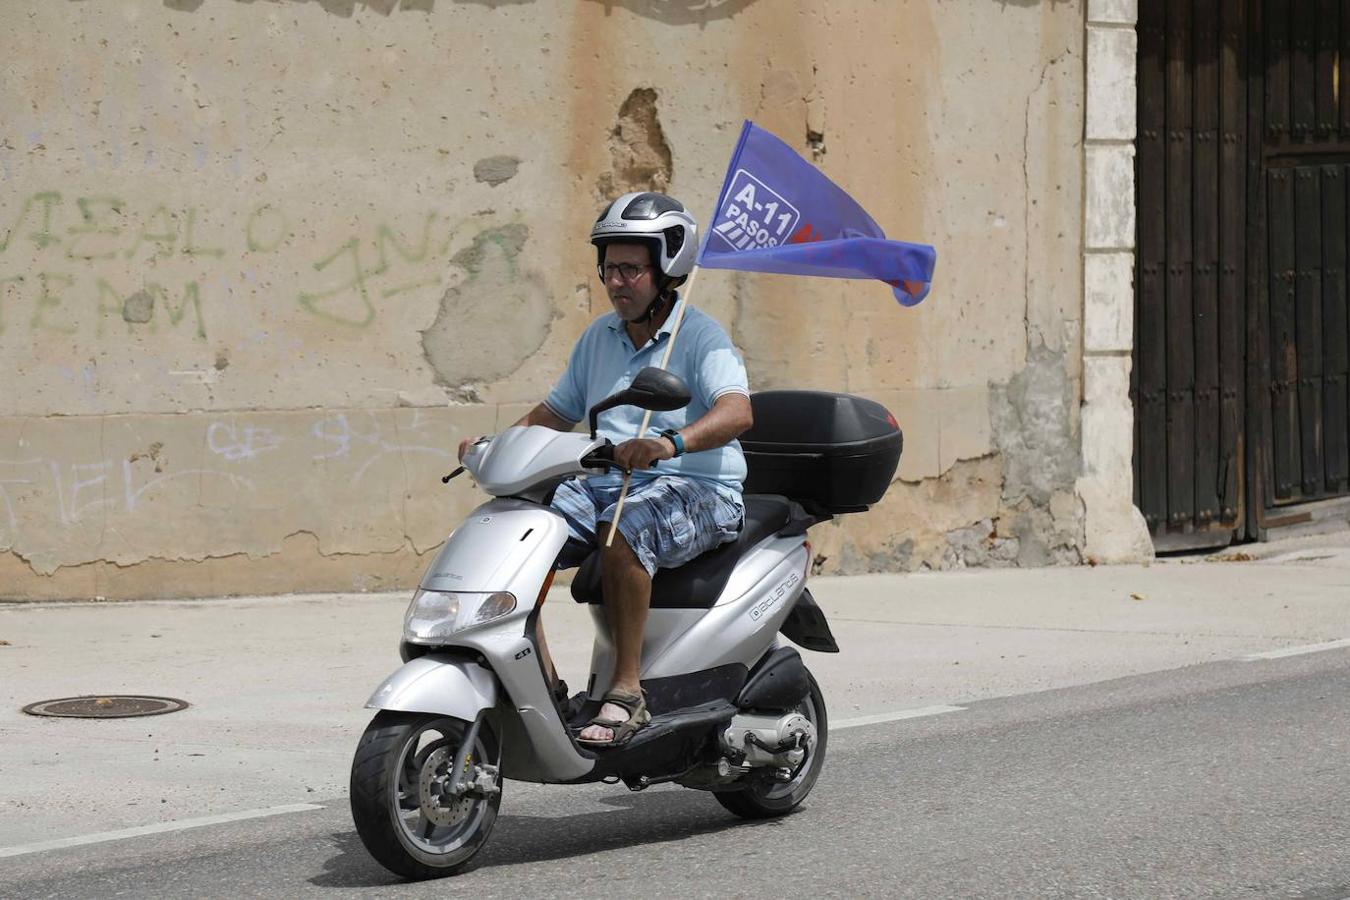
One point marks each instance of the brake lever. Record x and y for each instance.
(601, 463)
(485, 439)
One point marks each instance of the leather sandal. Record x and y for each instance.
(622, 730)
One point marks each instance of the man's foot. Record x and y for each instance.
(621, 716)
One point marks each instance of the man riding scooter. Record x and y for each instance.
(688, 468)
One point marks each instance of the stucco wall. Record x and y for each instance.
(263, 264)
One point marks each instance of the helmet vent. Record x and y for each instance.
(674, 239)
(650, 205)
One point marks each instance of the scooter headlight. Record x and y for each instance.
(435, 615)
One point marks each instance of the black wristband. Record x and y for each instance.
(676, 441)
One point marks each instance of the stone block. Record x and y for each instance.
(1111, 62)
(1108, 420)
(1109, 208)
(1113, 12)
(1108, 302)
(1114, 530)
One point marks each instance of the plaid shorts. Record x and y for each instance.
(667, 520)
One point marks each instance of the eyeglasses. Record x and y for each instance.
(624, 270)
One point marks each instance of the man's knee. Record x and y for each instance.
(619, 552)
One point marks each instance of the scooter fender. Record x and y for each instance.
(438, 683)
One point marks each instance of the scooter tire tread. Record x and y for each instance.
(368, 792)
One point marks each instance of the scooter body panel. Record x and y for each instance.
(742, 628)
(547, 754)
(739, 628)
(437, 683)
(759, 565)
(664, 627)
(526, 460)
(504, 545)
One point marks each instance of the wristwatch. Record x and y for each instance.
(674, 437)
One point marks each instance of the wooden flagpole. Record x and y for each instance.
(647, 416)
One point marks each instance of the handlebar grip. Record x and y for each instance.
(603, 458)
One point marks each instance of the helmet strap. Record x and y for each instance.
(651, 309)
(663, 286)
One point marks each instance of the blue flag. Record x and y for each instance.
(778, 213)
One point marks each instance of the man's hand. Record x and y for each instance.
(643, 453)
(465, 444)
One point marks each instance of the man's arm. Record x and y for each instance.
(729, 418)
(542, 415)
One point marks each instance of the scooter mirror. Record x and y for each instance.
(654, 389)
(659, 390)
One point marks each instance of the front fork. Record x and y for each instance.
(485, 777)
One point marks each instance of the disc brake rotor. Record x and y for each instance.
(433, 791)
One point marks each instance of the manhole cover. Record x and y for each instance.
(113, 706)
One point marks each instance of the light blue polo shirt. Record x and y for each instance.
(604, 361)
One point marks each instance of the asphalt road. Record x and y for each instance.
(1226, 779)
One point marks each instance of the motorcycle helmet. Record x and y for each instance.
(661, 223)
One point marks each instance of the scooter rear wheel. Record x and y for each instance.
(399, 805)
(763, 798)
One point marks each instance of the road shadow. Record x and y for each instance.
(647, 820)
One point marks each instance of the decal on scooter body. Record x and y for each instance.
(769, 602)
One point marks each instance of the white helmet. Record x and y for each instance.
(655, 219)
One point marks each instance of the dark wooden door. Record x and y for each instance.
(1190, 291)
(1299, 341)
(1242, 339)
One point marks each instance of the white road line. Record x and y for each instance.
(1297, 651)
(894, 716)
(157, 828)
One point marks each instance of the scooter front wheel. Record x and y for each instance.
(405, 808)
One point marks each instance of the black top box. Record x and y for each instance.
(835, 452)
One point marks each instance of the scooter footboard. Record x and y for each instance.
(438, 683)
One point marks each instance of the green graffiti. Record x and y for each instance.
(191, 292)
(358, 282)
(379, 264)
(43, 237)
(138, 308)
(163, 239)
(48, 300)
(89, 212)
(190, 247)
(385, 236)
(280, 230)
(510, 239)
(117, 308)
(404, 252)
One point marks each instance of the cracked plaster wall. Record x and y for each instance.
(262, 265)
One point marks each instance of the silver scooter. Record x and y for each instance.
(733, 711)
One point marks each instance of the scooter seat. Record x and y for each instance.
(698, 583)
